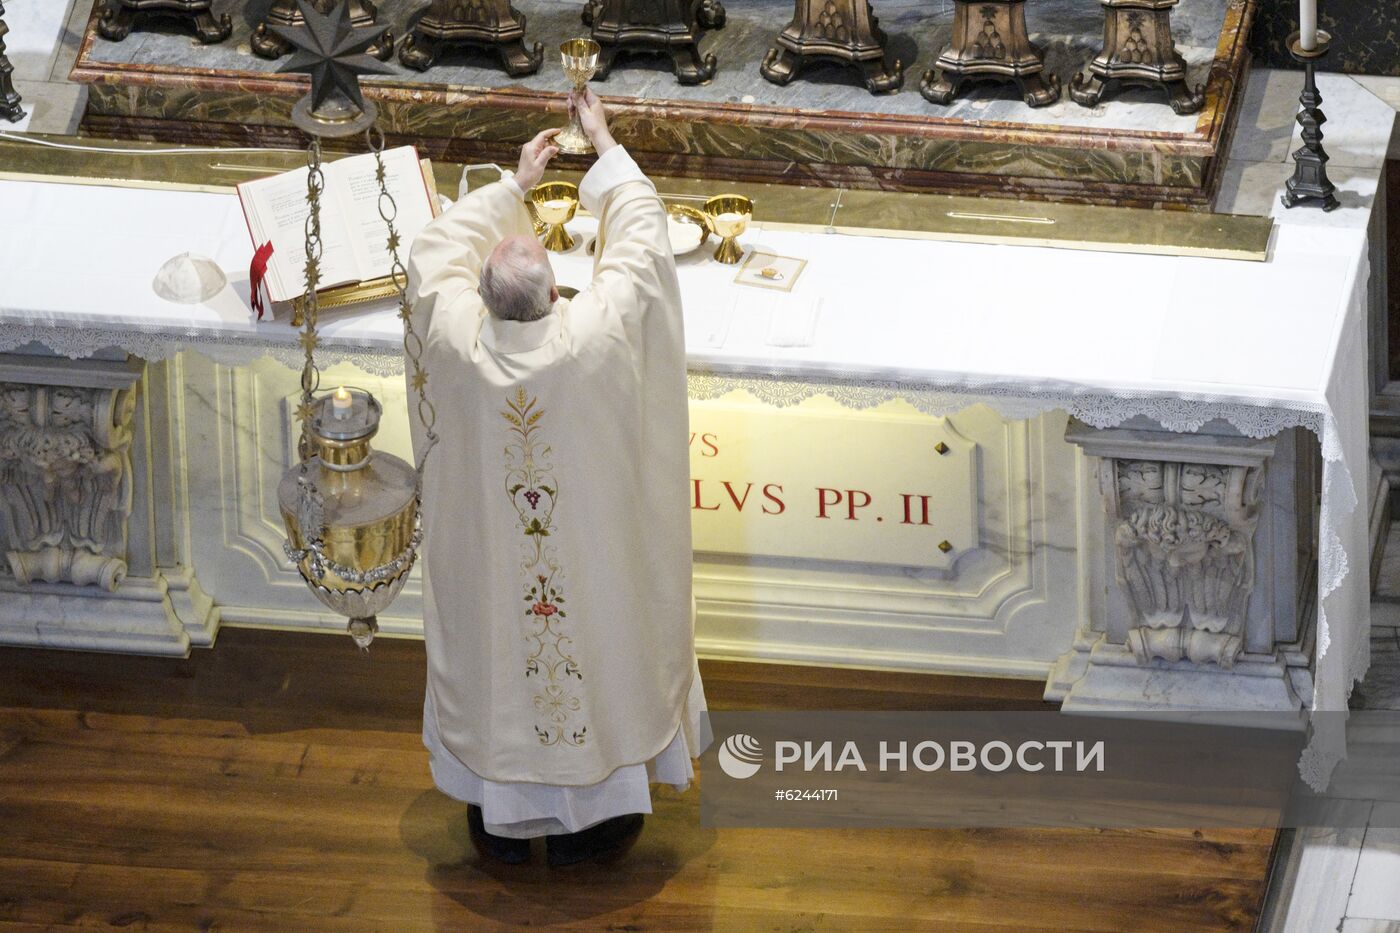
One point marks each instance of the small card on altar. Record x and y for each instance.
(769, 270)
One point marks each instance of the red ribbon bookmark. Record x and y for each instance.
(257, 270)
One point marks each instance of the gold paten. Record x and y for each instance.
(856, 213)
(685, 214)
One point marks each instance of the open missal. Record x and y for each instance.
(354, 238)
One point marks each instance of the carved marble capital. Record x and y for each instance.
(65, 474)
(1184, 546)
(1198, 572)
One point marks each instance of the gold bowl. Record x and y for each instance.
(729, 216)
(677, 214)
(555, 203)
(685, 214)
(580, 59)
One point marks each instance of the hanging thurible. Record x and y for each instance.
(352, 514)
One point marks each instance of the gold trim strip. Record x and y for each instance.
(823, 210)
(342, 295)
(999, 218)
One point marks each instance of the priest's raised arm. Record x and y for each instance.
(445, 265)
(632, 263)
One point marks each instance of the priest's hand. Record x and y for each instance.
(593, 117)
(534, 156)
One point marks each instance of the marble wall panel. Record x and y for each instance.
(1007, 607)
(1365, 35)
(798, 155)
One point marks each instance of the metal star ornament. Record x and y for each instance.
(332, 52)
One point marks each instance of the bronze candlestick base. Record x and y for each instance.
(665, 27)
(1310, 184)
(9, 97)
(843, 31)
(119, 16)
(267, 44)
(1138, 49)
(990, 43)
(488, 24)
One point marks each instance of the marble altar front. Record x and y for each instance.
(1040, 586)
(1173, 423)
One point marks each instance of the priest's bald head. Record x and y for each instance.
(517, 283)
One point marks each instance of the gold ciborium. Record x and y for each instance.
(729, 216)
(580, 60)
(555, 203)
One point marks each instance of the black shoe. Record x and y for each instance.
(607, 836)
(501, 848)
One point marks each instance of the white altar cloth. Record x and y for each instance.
(1265, 346)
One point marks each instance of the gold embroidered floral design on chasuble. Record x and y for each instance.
(533, 492)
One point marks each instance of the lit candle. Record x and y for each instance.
(1307, 24)
(341, 403)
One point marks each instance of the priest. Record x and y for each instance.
(562, 678)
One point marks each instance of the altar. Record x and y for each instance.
(1118, 450)
(909, 460)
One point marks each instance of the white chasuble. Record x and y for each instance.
(557, 553)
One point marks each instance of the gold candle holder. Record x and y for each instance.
(729, 217)
(555, 203)
(580, 60)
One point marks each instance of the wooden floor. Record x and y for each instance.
(277, 782)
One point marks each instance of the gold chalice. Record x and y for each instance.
(555, 204)
(729, 216)
(580, 60)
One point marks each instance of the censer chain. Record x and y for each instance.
(309, 502)
(312, 515)
(412, 343)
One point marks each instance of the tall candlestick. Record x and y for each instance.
(1307, 24)
(1310, 184)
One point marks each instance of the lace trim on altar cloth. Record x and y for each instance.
(1013, 400)
(1009, 399)
(153, 346)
